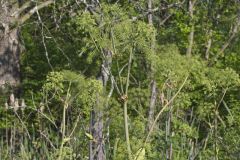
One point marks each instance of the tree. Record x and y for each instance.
(13, 14)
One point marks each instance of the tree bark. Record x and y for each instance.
(97, 146)
(96, 127)
(12, 14)
(191, 34)
(9, 48)
(150, 20)
(9, 38)
(154, 84)
(209, 44)
(152, 104)
(10, 59)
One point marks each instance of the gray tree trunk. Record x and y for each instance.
(153, 97)
(209, 44)
(150, 16)
(9, 48)
(152, 104)
(12, 14)
(97, 146)
(191, 34)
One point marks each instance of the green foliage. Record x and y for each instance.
(63, 62)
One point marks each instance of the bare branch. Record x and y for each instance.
(25, 17)
(21, 9)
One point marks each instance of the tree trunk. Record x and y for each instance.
(9, 48)
(12, 14)
(150, 20)
(10, 59)
(209, 44)
(97, 146)
(191, 34)
(96, 127)
(152, 104)
(153, 85)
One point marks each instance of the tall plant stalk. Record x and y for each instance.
(162, 110)
(64, 122)
(125, 107)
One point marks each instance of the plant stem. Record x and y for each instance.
(161, 111)
(64, 121)
(126, 131)
(125, 108)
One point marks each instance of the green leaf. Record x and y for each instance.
(90, 137)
